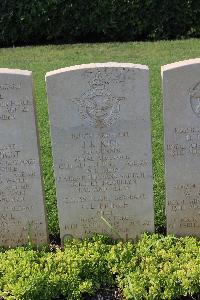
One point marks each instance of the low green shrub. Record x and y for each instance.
(157, 267)
(80, 268)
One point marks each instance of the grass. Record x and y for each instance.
(42, 59)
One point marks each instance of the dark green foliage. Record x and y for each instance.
(55, 21)
(156, 267)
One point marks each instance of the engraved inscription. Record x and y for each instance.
(102, 160)
(188, 143)
(22, 214)
(181, 89)
(11, 108)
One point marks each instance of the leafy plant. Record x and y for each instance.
(157, 267)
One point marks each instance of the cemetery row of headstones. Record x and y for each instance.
(101, 140)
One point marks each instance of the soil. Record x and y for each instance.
(114, 294)
(197, 297)
(105, 294)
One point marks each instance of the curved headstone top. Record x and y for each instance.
(22, 211)
(97, 65)
(15, 71)
(180, 64)
(181, 91)
(100, 127)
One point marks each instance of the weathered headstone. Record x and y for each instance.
(100, 126)
(181, 89)
(22, 215)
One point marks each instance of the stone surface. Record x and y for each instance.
(22, 215)
(181, 89)
(100, 126)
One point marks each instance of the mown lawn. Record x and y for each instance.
(46, 58)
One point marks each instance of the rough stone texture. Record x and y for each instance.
(100, 126)
(181, 89)
(22, 215)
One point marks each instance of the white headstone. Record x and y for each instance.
(22, 215)
(100, 126)
(181, 89)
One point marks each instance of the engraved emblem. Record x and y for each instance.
(195, 99)
(98, 106)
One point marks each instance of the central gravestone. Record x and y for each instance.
(22, 213)
(100, 126)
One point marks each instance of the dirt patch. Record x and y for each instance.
(106, 294)
(114, 294)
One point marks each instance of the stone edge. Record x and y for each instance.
(179, 64)
(96, 65)
(15, 71)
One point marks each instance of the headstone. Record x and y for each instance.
(181, 89)
(22, 215)
(100, 126)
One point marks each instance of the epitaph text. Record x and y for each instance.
(100, 127)
(22, 217)
(181, 89)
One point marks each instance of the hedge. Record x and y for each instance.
(65, 21)
(157, 267)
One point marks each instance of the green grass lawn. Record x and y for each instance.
(46, 58)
